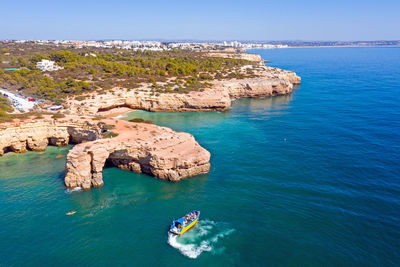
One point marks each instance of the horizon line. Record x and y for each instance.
(202, 40)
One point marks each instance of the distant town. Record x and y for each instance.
(153, 45)
(26, 56)
(200, 45)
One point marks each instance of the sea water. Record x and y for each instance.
(311, 178)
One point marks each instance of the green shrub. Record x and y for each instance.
(205, 76)
(137, 120)
(105, 126)
(5, 105)
(80, 98)
(112, 68)
(140, 120)
(110, 134)
(58, 116)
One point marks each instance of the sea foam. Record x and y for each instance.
(204, 236)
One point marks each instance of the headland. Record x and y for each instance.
(74, 98)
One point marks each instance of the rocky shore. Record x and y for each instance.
(246, 56)
(157, 151)
(139, 147)
(267, 82)
(37, 135)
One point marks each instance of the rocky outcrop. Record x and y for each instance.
(38, 135)
(208, 100)
(150, 149)
(246, 56)
(270, 81)
(267, 81)
(139, 147)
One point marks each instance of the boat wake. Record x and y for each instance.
(204, 236)
(104, 205)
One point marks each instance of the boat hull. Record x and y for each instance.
(187, 227)
(174, 228)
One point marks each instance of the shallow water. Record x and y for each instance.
(306, 179)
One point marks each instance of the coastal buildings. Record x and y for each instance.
(156, 45)
(199, 45)
(47, 65)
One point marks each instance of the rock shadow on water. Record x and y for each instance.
(262, 105)
(170, 119)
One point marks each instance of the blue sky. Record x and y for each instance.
(201, 19)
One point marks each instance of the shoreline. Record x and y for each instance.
(139, 147)
(266, 81)
(333, 46)
(100, 135)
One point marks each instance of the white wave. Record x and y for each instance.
(205, 236)
(189, 250)
(222, 235)
(76, 189)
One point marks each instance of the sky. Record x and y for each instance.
(266, 20)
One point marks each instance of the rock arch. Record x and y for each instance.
(150, 149)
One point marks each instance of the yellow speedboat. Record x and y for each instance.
(183, 224)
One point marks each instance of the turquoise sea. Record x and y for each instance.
(309, 179)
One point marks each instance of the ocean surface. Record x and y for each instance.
(308, 179)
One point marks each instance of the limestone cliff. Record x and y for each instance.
(154, 150)
(267, 81)
(139, 147)
(38, 135)
(246, 56)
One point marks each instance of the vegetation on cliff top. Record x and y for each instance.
(87, 70)
(5, 106)
(6, 117)
(140, 120)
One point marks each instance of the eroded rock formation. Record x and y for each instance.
(38, 135)
(268, 81)
(246, 56)
(150, 149)
(157, 151)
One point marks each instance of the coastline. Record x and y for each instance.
(333, 46)
(138, 147)
(316, 170)
(267, 82)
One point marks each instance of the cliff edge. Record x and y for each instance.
(266, 81)
(157, 151)
(139, 147)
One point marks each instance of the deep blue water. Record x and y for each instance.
(308, 179)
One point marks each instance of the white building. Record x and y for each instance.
(47, 65)
(55, 107)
